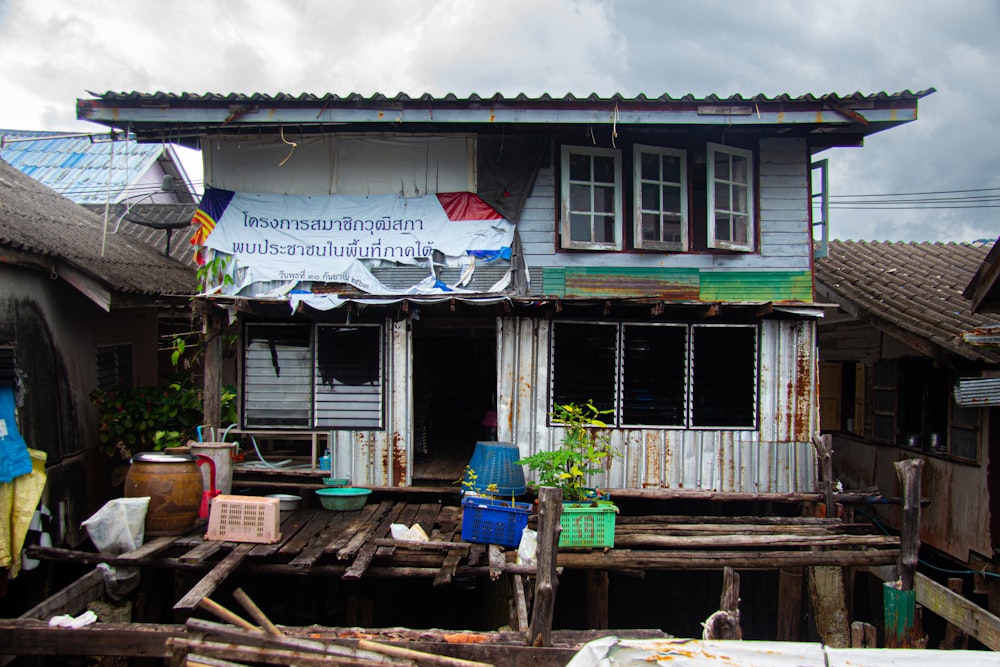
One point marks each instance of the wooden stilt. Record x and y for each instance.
(725, 623)
(954, 637)
(547, 581)
(862, 635)
(789, 605)
(899, 598)
(826, 592)
(597, 599)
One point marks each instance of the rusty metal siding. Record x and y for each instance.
(383, 458)
(777, 457)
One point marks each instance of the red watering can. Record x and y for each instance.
(212, 492)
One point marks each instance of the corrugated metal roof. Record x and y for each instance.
(836, 119)
(916, 287)
(36, 220)
(520, 98)
(86, 168)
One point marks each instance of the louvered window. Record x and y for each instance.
(312, 376)
(660, 375)
(114, 367)
(8, 369)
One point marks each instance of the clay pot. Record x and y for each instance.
(174, 485)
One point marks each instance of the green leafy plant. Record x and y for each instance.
(584, 451)
(136, 419)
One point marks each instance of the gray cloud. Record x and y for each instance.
(55, 51)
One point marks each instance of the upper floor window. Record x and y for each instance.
(660, 177)
(591, 198)
(114, 366)
(675, 203)
(730, 200)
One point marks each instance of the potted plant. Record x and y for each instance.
(588, 515)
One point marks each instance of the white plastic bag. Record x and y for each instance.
(119, 526)
(526, 547)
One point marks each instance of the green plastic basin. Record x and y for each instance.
(343, 498)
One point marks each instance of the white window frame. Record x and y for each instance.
(746, 245)
(565, 225)
(638, 210)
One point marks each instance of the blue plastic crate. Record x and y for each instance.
(490, 521)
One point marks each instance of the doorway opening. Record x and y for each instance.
(454, 397)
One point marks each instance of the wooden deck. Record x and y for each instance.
(357, 544)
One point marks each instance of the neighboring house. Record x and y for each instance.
(140, 189)
(403, 268)
(901, 378)
(79, 310)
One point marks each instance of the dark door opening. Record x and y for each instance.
(454, 398)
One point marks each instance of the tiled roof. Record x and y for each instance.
(88, 168)
(914, 286)
(36, 220)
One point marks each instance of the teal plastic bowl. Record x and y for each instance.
(343, 498)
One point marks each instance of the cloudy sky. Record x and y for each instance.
(54, 51)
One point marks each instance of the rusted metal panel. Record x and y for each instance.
(777, 457)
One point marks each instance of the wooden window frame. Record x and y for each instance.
(566, 184)
(716, 208)
(637, 199)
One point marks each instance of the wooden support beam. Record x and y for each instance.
(597, 584)
(725, 623)
(70, 600)
(826, 591)
(909, 539)
(213, 579)
(863, 635)
(824, 452)
(954, 636)
(547, 581)
(789, 604)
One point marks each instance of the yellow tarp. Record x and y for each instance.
(18, 500)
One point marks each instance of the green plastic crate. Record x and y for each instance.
(588, 525)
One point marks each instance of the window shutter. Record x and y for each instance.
(277, 376)
(654, 375)
(723, 376)
(8, 369)
(884, 396)
(348, 380)
(585, 364)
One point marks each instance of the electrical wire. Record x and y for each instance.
(879, 525)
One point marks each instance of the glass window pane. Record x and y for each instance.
(739, 169)
(579, 167)
(722, 232)
(671, 229)
(740, 229)
(740, 198)
(604, 199)
(722, 197)
(579, 197)
(650, 227)
(649, 167)
(671, 169)
(671, 198)
(650, 197)
(579, 227)
(721, 166)
(605, 228)
(604, 169)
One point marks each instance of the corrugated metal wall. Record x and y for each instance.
(777, 457)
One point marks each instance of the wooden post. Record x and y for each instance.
(909, 540)
(546, 581)
(789, 604)
(902, 629)
(213, 328)
(824, 450)
(597, 599)
(862, 635)
(725, 623)
(826, 591)
(954, 637)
